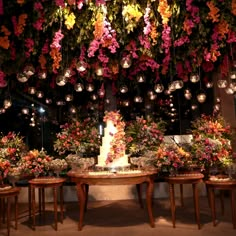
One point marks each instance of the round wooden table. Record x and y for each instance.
(230, 186)
(181, 179)
(84, 180)
(6, 194)
(47, 182)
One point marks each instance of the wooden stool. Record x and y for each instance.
(193, 179)
(42, 183)
(222, 186)
(6, 194)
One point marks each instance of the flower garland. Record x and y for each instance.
(117, 145)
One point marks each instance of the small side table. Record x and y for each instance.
(6, 194)
(193, 179)
(46, 182)
(222, 185)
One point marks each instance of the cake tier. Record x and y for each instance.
(119, 162)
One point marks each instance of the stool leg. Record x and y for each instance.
(233, 208)
(196, 204)
(172, 202)
(55, 206)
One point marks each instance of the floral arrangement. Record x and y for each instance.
(57, 164)
(78, 162)
(117, 144)
(211, 144)
(12, 147)
(201, 33)
(35, 163)
(79, 137)
(4, 168)
(171, 157)
(144, 135)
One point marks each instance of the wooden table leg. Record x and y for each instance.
(30, 201)
(233, 208)
(149, 193)
(222, 202)
(16, 212)
(62, 203)
(82, 200)
(1, 211)
(40, 200)
(181, 195)
(172, 203)
(196, 204)
(55, 206)
(33, 206)
(8, 216)
(43, 200)
(139, 191)
(212, 204)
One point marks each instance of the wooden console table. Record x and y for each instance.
(46, 182)
(222, 185)
(193, 179)
(84, 180)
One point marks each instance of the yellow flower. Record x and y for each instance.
(70, 21)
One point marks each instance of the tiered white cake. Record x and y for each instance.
(112, 151)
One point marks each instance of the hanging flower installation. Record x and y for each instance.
(161, 37)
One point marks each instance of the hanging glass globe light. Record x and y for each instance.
(178, 84)
(25, 111)
(90, 87)
(124, 89)
(29, 70)
(42, 74)
(101, 93)
(94, 97)
(141, 78)
(99, 71)
(126, 103)
(61, 80)
(232, 85)
(126, 62)
(7, 103)
(72, 109)
(158, 88)
(138, 99)
(48, 101)
(60, 103)
(232, 75)
(81, 66)
(229, 90)
(2, 110)
(194, 107)
(31, 90)
(21, 77)
(171, 87)
(209, 84)
(194, 77)
(187, 94)
(201, 97)
(40, 94)
(67, 73)
(69, 97)
(79, 87)
(217, 107)
(222, 83)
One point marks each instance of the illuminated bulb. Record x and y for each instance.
(152, 96)
(29, 70)
(126, 62)
(232, 75)
(171, 87)
(126, 103)
(25, 111)
(2, 110)
(209, 84)
(48, 100)
(40, 94)
(42, 74)
(194, 78)
(22, 77)
(32, 90)
(158, 88)
(201, 97)
(94, 97)
(222, 83)
(101, 93)
(124, 89)
(187, 94)
(229, 90)
(79, 87)
(60, 103)
(68, 73)
(72, 110)
(7, 103)
(217, 107)
(69, 97)
(141, 78)
(138, 99)
(81, 66)
(61, 80)
(99, 71)
(194, 107)
(178, 84)
(90, 87)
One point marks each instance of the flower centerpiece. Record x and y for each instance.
(143, 135)
(12, 147)
(171, 158)
(211, 143)
(80, 137)
(79, 163)
(35, 163)
(57, 165)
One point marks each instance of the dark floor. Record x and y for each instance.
(125, 217)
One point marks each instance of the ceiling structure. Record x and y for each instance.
(75, 58)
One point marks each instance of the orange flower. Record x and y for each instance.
(153, 34)
(233, 5)
(214, 12)
(164, 10)
(42, 61)
(223, 28)
(20, 1)
(4, 41)
(99, 26)
(56, 56)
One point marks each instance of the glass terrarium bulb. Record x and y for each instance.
(141, 78)
(138, 99)
(124, 89)
(29, 70)
(209, 84)
(99, 71)
(67, 73)
(61, 80)
(187, 94)
(222, 83)
(229, 90)
(72, 110)
(89, 87)
(69, 97)
(40, 94)
(81, 66)
(32, 90)
(7, 103)
(21, 77)
(79, 87)
(194, 107)
(101, 93)
(126, 62)
(48, 100)
(158, 88)
(232, 75)
(42, 74)
(178, 84)
(25, 111)
(201, 97)
(194, 78)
